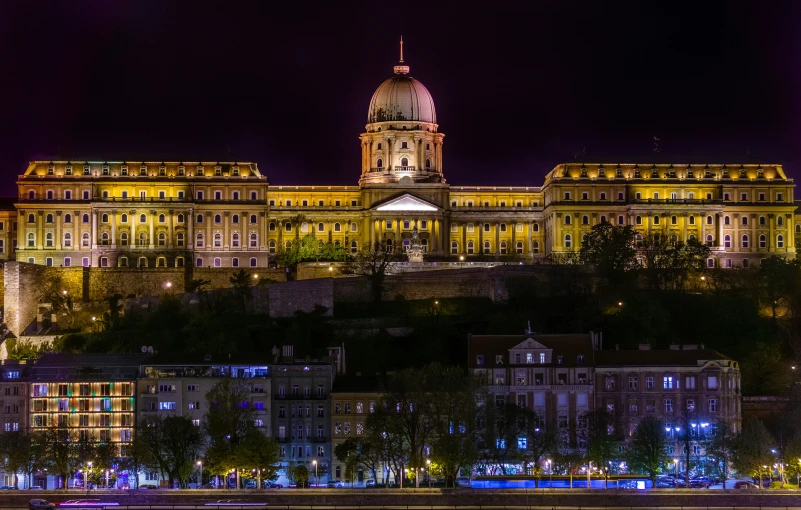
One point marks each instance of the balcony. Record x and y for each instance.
(404, 169)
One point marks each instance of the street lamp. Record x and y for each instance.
(793, 367)
(88, 472)
(550, 473)
(200, 481)
(676, 466)
(428, 463)
(316, 477)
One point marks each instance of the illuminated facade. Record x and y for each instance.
(87, 397)
(226, 214)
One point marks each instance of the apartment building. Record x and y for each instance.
(353, 399)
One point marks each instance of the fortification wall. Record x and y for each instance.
(288, 297)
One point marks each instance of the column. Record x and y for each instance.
(684, 219)
(529, 235)
(463, 226)
(735, 242)
(514, 237)
(754, 237)
(94, 229)
(76, 241)
(498, 238)
(389, 154)
(191, 231)
(557, 237)
(171, 231)
(113, 229)
(446, 234)
(226, 239)
(771, 243)
(209, 241)
(420, 159)
(58, 230)
(435, 233)
(152, 228)
(263, 242)
(719, 229)
(480, 248)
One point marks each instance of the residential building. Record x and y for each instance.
(86, 397)
(14, 404)
(353, 399)
(301, 406)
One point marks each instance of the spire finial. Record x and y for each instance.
(401, 68)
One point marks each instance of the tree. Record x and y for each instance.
(198, 286)
(16, 448)
(173, 442)
(752, 449)
(138, 458)
(242, 284)
(668, 261)
(646, 453)
(373, 264)
(258, 453)
(500, 426)
(611, 248)
(764, 371)
(301, 475)
(720, 448)
(63, 452)
(598, 431)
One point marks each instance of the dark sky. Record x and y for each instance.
(518, 87)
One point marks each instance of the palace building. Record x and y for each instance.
(227, 214)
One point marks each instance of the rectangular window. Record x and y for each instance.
(667, 382)
(166, 406)
(713, 405)
(689, 382)
(633, 382)
(668, 405)
(712, 382)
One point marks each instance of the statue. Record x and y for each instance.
(415, 251)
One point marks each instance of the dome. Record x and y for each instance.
(402, 98)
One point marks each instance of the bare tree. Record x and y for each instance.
(374, 264)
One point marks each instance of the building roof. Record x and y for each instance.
(491, 346)
(662, 357)
(402, 98)
(82, 360)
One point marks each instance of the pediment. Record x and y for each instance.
(530, 343)
(407, 202)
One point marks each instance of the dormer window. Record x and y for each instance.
(217, 171)
(124, 170)
(162, 171)
(199, 171)
(542, 358)
(499, 359)
(86, 169)
(181, 170)
(143, 170)
(480, 360)
(68, 170)
(529, 357)
(560, 360)
(580, 359)
(235, 171)
(51, 170)
(517, 358)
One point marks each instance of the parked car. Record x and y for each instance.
(745, 485)
(665, 482)
(146, 486)
(35, 488)
(463, 481)
(273, 485)
(335, 484)
(40, 504)
(8, 488)
(250, 485)
(369, 483)
(700, 482)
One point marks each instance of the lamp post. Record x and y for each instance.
(550, 474)
(200, 480)
(428, 463)
(676, 466)
(88, 472)
(316, 478)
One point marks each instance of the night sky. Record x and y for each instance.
(518, 87)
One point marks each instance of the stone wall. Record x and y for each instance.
(288, 297)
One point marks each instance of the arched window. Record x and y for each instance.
(85, 239)
(31, 218)
(31, 195)
(638, 220)
(321, 227)
(67, 218)
(567, 219)
(162, 218)
(103, 218)
(519, 247)
(304, 227)
(709, 220)
(49, 239)
(179, 262)
(744, 242)
(780, 240)
(179, 238)
(288, 227)
(337, 227)
(674, 220)
(142, 239)
(123, 261)
(674, 238)
(217, 240)
(142, 262)
(691, 237)
(638, 240)
(199, 240)
(404, 162)
(254, 240)
(763, 241)
(709, 240)
(235, 240)
(726, 220)
(253, 261)
(568, 241)
(536, 227)
(656, 220)
(424, 245)
(161, 262)
(180, 218)
(584, 238)
(199, 218)
(252, 219)
(67, 240)
(388, 244)
(123, 218)
(217, 219)
(692, 220)
(85, 218)
(503, 227)
(142, 218)
(31, 240)
(798, 229)
(162, 239)
(727, 241)
(486, 227)
(487, 247)
(337, 244)
(235, 219)
(217, 262)
(454, 247)
(780, 221)
(235, 262)
(744, 220)
(235, 195)
(603, 219)
(271, 227)
(49, 218)
(354, 247)
(124, 238)
(104, 238)
(470, 248)
(535, 246)
(428, 163)
(379, 163)
(272, 246)
(519, 227)
(585, 220)
(353, 226)
(503, 247)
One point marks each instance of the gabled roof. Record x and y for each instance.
(491, 346)
(406, 202)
